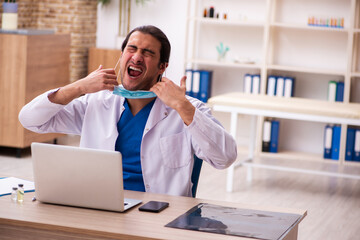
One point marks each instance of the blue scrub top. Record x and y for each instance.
(130, 129)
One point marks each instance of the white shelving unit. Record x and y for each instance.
(277, 41)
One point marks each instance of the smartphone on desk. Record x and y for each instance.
(154, 206)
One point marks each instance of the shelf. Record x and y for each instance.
(306, 70)
(355, 74)
(227, 22)
(325, 167)
(357, 30)
(291, 155)
(307, 27)
(287, 108)
(224, 64)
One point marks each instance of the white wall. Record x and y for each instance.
(168, 15)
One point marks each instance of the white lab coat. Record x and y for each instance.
(168, 145)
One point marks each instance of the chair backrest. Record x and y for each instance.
(196, 174)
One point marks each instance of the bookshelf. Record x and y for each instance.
(279, 42)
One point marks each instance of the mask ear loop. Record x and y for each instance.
(117, 75)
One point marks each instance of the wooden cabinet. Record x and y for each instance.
(272, 37)
(102, 56)
(29, 66)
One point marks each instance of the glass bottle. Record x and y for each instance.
(20, 193)
(14, 194)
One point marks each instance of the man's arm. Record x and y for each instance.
(100, 79)
(174, 96)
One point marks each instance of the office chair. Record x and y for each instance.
(196, 174)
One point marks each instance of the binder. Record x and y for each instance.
(247, 83)
(274, 137)
(271, 86)
(332, 91)
(335, 144)
(357, 146)
(328, 133)
(195, 84)
(289, 87)
(205, 85)
(279, 87)
(339, 92)
(266, 136)
(255, 84)
(350, 141)
(189, 76)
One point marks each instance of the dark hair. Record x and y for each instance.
(156, 33)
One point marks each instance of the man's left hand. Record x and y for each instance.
(174, 96)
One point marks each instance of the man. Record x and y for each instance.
(157, 136)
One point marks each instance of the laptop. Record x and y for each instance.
(81, 177)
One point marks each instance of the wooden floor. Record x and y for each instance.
(333, 204)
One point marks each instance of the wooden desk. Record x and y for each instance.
(35, 220)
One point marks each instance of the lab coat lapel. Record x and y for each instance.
(158, 112)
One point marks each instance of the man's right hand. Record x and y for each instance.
(100, 79)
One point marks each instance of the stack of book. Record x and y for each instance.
(270, 139)
(280, 86)
(252, 83)
(198, 84)
(336, 91)
(332, 143)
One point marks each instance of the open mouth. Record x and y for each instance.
(134, 71)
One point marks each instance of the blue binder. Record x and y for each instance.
(205, 85)
(266, 136)
(289, 87)
(339, 92)
(255, 87)
(357, 146)
(280, 85)
(328, 133)
(189, 76)
(350, 142)
(247, 83)
(274, 139)
(335, 142)
(271, 86)
(196, 76)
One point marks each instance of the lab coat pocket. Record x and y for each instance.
(175, 150)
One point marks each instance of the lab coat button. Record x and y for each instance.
(147, 186)
(165, 113)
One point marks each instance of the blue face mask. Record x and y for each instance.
(121, 91)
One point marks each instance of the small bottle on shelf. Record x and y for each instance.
(20, 193)
(14, 194)
(211, 12)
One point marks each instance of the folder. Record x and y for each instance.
(266, 136)
(196, 84)
(271, 86)
(279, 87)
(339, 92)
(274, 137)
(247, 83)
(289, 87)
(357, 146)
(255, 89)
(189, 76)
(328, 141)
(335, 144)
(205, 85)
(332, 91)
(350, 141)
